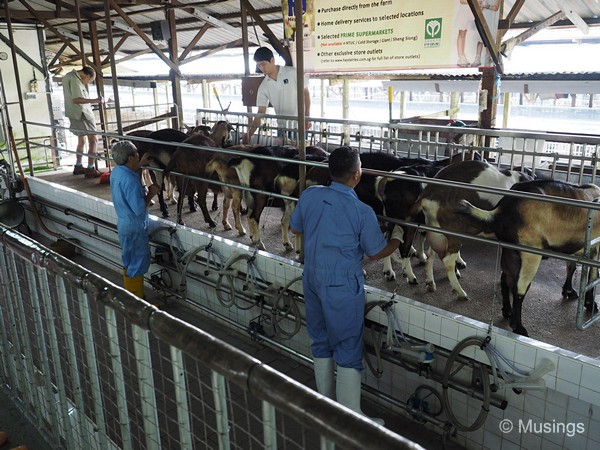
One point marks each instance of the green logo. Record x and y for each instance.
(433, 32)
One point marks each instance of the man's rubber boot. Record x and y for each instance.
(135, 285)
(348, 390)
(324, 369)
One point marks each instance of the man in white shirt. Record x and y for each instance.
(279, 89)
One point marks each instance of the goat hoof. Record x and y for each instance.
(414, 281)
(212, 225)
(570, 295)
(241, 232)
(226, 227)
(288, 247)
(193, 208)
(591, 306)
(430, 286)
(390, 276)
(259, 245)
(462, 298)
(461, 265)
(214, 208)
(165, 214)
(244, 211)
(172, 202)
(422, 263)
(521, 330)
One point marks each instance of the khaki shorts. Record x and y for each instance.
(82, 127)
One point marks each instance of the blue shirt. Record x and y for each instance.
(338, 229)
(128, 196)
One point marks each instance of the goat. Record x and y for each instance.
(218, 165)
(260, 174)
(271, 175)
(192, 161)
(398, 197)
(439, 206)
(537, 224)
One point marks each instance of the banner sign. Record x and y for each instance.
(359, 35)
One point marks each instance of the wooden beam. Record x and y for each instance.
(575, 19)
(145, 38)
(488, 40)
(510, 17)
(231, 44)
(194, 41)
(49, 26)
(270, 36)
(508, 45)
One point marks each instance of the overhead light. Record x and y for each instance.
(122, 26)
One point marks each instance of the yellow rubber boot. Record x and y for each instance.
(135, 285)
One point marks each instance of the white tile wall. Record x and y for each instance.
(573, 387)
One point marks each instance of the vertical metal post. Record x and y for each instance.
(119, 379)
(74, 370)
(23, 346)
(10, 363)
(220, 398)
(46, 377)
(62, 404)
(143, 360)
(345, 111)
(585, 284)
(181, 399)
(269, 426)
(402, 100)
(506, 110)
(92, 366)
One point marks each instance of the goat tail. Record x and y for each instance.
(484, 217)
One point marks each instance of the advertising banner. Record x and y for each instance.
(360, 35)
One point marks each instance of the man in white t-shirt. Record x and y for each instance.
(279, 89)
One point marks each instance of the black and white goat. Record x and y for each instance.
(538, 224)
(439, 204)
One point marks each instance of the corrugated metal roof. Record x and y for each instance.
(224, 15)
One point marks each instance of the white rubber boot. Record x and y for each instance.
(348, 390)
(324, 368)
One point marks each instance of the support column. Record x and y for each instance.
(177, 122)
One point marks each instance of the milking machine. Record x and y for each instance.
(175, 258)
(477, 377)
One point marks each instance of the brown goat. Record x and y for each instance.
(537, 224)
(192, 162)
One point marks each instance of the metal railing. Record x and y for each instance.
(95, 367)
(567, 157)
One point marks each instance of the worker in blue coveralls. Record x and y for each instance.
(338, 231)
(131, 204)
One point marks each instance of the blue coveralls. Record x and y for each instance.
(338, 230)
(128, 197)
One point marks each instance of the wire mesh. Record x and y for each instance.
(97, 368)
